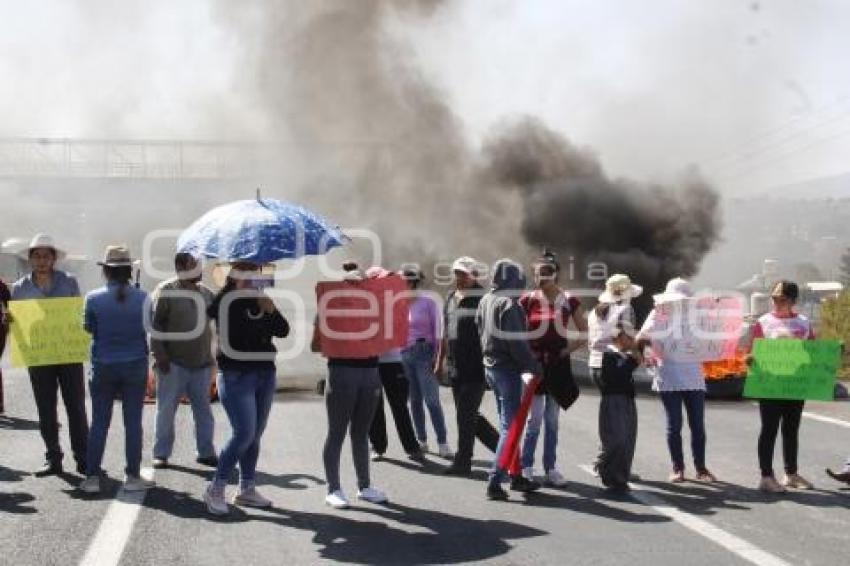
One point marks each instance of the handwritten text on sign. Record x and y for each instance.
(793, 369)
(701, 329)
(48, 331)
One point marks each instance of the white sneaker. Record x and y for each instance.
(555, 478)
(770, 485)
(337, 500)
(377, 456)
(90, 485)
(137, 483)
(423, 447)
(251, 498)
(528, 473)
(445, 451)
(372, 495)
(214, 498)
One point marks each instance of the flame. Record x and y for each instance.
(721, 369)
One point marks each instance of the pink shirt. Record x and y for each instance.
(774, 325)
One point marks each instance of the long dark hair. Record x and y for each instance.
(120, 274)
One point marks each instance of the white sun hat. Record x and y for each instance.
(677, 289)
(466, 264)
(618, 288)
(42, 241)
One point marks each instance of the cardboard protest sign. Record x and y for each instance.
(701, 329)
(793, 369)
(361, 319)
(48, 331)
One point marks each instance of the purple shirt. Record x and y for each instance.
(424, 318)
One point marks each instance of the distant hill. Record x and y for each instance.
(835, 187)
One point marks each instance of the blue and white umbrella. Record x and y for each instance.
(260, 231)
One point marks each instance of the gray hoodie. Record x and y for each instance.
(500, 313)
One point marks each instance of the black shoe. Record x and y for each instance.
(81, 468)
(160, 463)
(453, 470)
(48, 469)
(417, 456)
(496, 493)
(523, 484)
(211, 461)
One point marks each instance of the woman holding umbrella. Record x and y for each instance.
(249, 234)
(247, 320)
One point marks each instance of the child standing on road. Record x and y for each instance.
(617, 409)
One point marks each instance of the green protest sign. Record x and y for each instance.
(793, 369)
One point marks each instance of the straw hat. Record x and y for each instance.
(618, 288)
(43, 241)
(677, 289)
(116, 256)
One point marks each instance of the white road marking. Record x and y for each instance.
(823, 419)
(115, 529)
(727, 540)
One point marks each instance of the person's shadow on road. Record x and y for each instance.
(16, 423)
(707, 499)
(448, 539)
(15, 503)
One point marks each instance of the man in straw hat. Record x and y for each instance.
(46, 282)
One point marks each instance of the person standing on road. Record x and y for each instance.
(351, 398)
(508, 361)
(47, 282)
(247, 320)
(5, 295)
(419, 359)
(614, 308)
(460, 356)
(114, 316)
(617, 409)
(397, 389)
(781, 322)
(183, 365)
(549, 309)
(679, 383)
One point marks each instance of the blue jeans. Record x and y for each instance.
(694, 402)
(170, 387)
(108, 381)
(247, 398)
(544, 409)
(507, 386)
(418, 361)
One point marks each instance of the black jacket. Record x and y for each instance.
(249, 330)
(615, 377)
(464, 360)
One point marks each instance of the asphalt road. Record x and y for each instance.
(431, 519)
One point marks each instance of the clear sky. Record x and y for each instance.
(756, 93)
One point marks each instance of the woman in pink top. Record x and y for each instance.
(418, 359)
(782, 322)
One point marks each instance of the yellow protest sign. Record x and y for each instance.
(48, 331)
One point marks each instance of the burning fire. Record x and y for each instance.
(722, 369)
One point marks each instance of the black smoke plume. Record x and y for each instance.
(650, 232)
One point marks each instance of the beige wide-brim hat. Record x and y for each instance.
(43, 241)
(116, 256)
(677, 289)
(619, 288)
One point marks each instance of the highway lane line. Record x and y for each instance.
(115, 529)
(715, 534)
(823, 419)
(817, 417)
